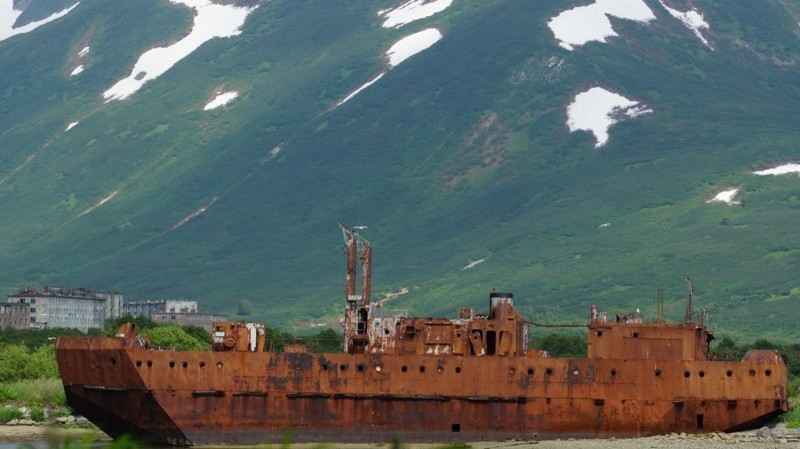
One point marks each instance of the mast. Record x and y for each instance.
(689, 310)
(357, 307)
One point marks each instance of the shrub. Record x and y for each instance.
(37, 414)
(9, 413)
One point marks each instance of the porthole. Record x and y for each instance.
(686, 374)
(635, 335)
(613, 372)
(138, 363)
(150, 363)
(324, 367)
(768, 372)
(511, 371)
(172, 364)
(752, 372)
(113, 361)
(439, 369)
(702, 374)
(219, 364)
(378, 368)
(548, 372)
(360, 368)
(658, 372)
(185, 364)
(343, 367)
(458, 370)
(530, 371)
(404, 368)
(599, 333)
(422, 368)
(202, 364)
(729, 373)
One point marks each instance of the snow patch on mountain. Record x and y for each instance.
(221, 99)
(693, 20)
(597, 109)
(783, 169)
(727, 196)
(210, 21)
(583, 24)
(9, 16)
(411, 45)
(411, 11)
(399, 52)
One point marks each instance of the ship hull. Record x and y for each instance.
(188, 398)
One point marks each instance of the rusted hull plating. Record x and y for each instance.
(183, 398)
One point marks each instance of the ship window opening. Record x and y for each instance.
(768, 372)
(600, 402)
(138, 363)
(378, 368)
(686, 374)
(511, 371)
(343, 367)
(202, 364)
(219, 364)
(422, 368)
(439, 370)
(635, 335)
(149, 363)
(404, 368)
(458, 334)
(729, 373)
(386, 331)
(458, 370)
(700, 421)
(185, 365)
(752, 372)
(113, 361)
(360, 367)
(324, 367)
(658, 372)
(548, 372)
(547, 401)
(172, 364)
(731, 404)
(530, 371)
(491, 342)
(599, 333)
(702, 374)
(613, 372)
(455, 428)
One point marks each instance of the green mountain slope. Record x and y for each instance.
(461, 154)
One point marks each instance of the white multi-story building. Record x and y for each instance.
(78, 308)
(150, 308)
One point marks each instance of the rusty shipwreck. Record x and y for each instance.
(420, 379)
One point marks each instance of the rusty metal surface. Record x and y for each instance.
(420, 379)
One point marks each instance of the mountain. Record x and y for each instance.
(574, 153)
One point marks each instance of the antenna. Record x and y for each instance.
(688, 300)
(660, 305)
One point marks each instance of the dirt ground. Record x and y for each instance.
(776, 438)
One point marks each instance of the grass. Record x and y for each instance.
(30, 393)
(792, 417)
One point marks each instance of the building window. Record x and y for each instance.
(33, 309)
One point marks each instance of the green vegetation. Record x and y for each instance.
(460, 154)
